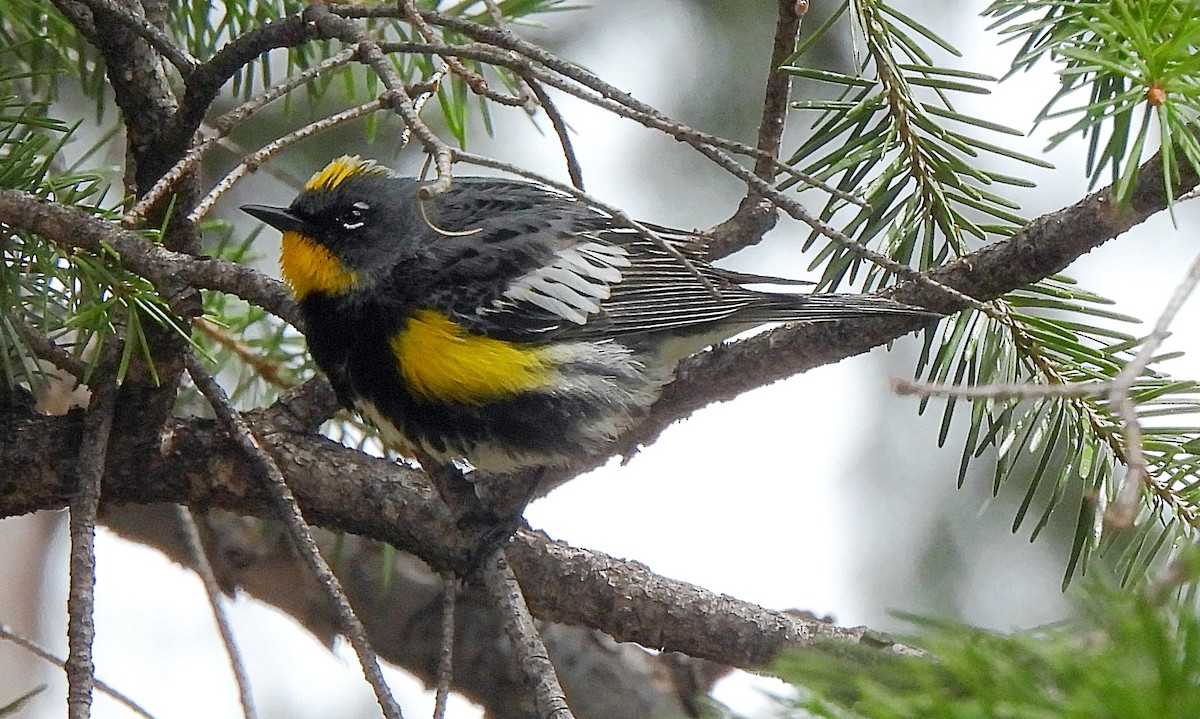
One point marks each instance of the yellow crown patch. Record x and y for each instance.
(343, 168)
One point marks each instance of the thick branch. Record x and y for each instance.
(340, 488)
(140, 87)
(399, 602)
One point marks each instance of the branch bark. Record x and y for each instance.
(756, 215)
(342, 489)
(192, 462)
(1044, 247)
(399, 604)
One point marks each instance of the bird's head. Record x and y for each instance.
(351, 220)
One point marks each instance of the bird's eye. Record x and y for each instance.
(355, 217)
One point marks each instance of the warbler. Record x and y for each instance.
(502, 322)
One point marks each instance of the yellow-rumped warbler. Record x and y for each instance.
(502, 322)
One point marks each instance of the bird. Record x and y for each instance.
(504, 325)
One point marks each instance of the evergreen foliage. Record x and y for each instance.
(924, 174)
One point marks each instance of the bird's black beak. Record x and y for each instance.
(277, 217)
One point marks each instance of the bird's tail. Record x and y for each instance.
(827, 307)
(763, 308)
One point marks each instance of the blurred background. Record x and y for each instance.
(825, 492)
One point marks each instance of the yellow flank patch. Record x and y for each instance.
(309, 267)
(344, 167)
(442, 361)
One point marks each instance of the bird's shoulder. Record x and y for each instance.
(488, 237)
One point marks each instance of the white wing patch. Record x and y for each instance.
(573, 285)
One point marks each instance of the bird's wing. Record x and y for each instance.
(522, 263)
(611, 282)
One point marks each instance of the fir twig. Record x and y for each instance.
(203, 568)
(85, 505)
(445, 670)
(32, 647)
(527, 643)
(289, 511)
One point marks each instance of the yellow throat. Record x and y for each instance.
(309, 267)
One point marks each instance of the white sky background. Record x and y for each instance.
(782, 497)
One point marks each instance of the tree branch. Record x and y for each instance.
(84, 506)
(755, 215)
(72, 228)
(1044, 247)
(343, 489)
(399, 599)
(155, 36)
(289, 512)
(526, 641)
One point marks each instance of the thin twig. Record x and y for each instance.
(1001, 391)
(225, 125)
(159, 40)
(237, 149)
(775, 96)
(756, 216)
(85, 504)
(199, 561)
(268, 370)
(445, 670)
(420, 98)
(642, 114)
(8, 634)
(251, 163)
(473, 79)
(47, 349)
(523, 86)
(527, 643)
(495, 12)
(560, 128)
(1137, 472)
(289, 511)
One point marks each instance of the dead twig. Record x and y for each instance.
(293, 519)
(527, 643)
